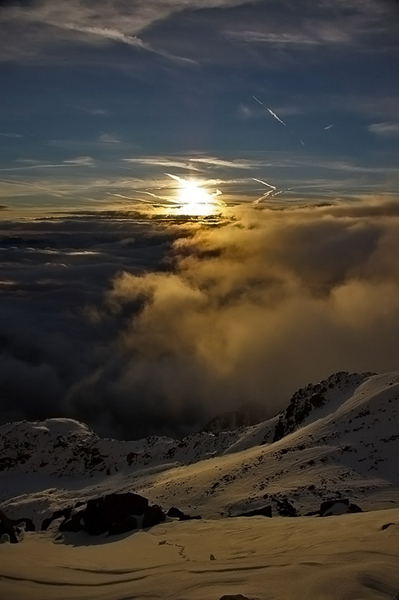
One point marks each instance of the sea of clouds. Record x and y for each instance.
(142, 326)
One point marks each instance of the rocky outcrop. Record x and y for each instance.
(176, 513)
(24, 523)
(314, 396)
(7, 530)
(58, 514)
(338, 507)
(113, 514)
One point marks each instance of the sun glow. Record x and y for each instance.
(193, 199)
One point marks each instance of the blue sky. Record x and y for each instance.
(100, 101)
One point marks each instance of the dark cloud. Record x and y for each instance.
(141, 327)
(51, 270)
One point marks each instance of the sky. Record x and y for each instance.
(101, 99)
(199, 205)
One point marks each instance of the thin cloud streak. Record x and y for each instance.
(273, 114)
(192, 162)
(268, 193)
(386, 129)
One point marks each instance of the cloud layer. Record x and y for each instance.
(151, 327)
(47, 24)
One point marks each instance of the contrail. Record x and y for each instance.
(257, 100)
(175, 177)
(273, 114)
(161, 197)
(265, 183)
(267, 194)
(329, 126)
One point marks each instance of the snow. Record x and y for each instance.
(349, 557)
(340, 441)
(346, 448)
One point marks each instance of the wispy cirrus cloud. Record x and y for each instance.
(162, 161)
(195, 163)
(39, 23)
(329, 23)
(386, 129)
(109, 138)
(27, 164)
(270, 37)
(80, 161)
(11, 135)
(35, 28)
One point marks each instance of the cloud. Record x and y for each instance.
(221, 162)
(80, 161)
(83, 181)
(11, 135)
(272, 38)
(107, 34)
(308, 25)
(43, 30)
(45, 23)
(386, 129)
(256, 311)
(170, 322)
(28, 164)
(109, 138)
(162, 161)
(195, 162)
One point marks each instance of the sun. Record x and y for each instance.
(190, 193)
(194, 199)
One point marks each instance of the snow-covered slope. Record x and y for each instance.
(339, 558)
(337, 438)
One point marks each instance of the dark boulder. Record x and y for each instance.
(6, 527)
(113, 514)
(127, 503)
(29, 525)
(74, 523)
(123, 525)
(329, 507)
(102, 513)
(285, 508)
(338, 507)
(354, 508)
(64, 513)
(153, 516)
(176, 513)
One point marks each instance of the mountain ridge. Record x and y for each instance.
(344, 444)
